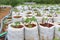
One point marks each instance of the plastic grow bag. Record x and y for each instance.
(46, 33)
(15, 33)
(57, 31)
(31, 33)
(16, 19)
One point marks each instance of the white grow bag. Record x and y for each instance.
(16, 19)
(57, 32)
(26, 7)
(19, 7)
(46, 33)
(31, 33)
(15, 33)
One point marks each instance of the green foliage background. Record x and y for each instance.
(16, 2)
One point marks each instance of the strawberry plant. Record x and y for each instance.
(16, 10)
(29, 20)
(16, 25)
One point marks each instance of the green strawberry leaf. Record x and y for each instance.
(27, 20)
(33, 19)
(46, 18)
(17, 23)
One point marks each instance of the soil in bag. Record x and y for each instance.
(46, 25)
(29, 13)
(30, 25)
(19, 26)
(17, 16)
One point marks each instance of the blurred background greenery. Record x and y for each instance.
(16, 2)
